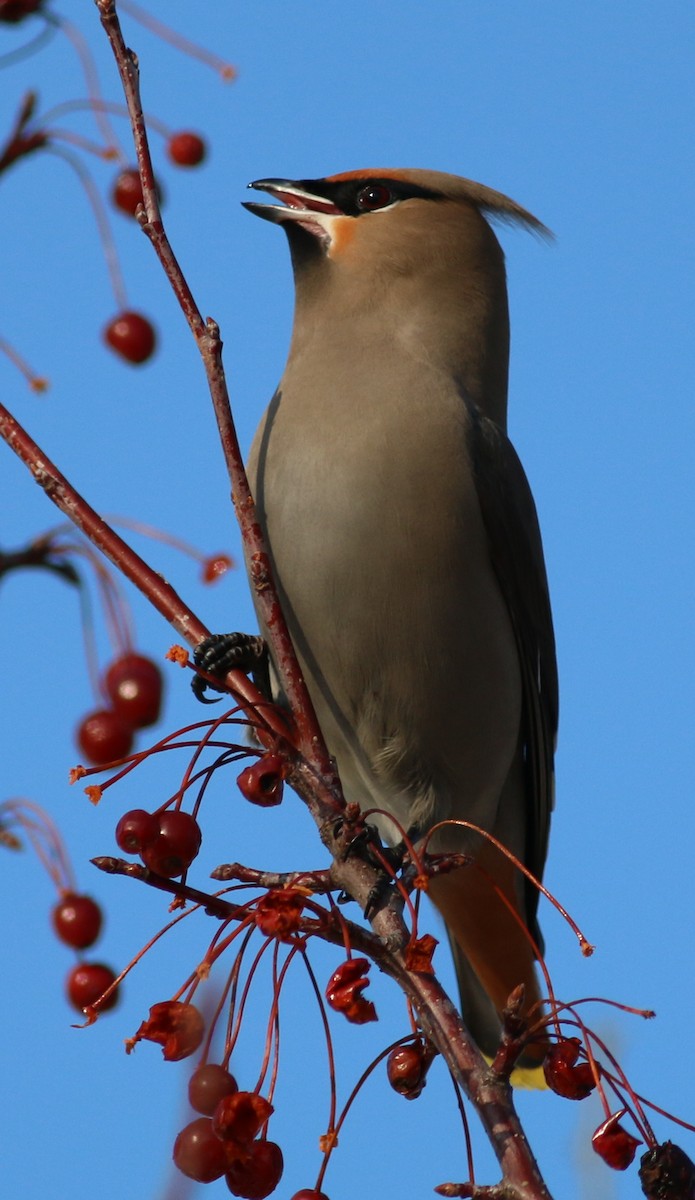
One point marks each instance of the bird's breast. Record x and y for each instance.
(366, 490)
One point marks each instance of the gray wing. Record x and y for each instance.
(516, 552)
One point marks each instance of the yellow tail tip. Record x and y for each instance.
(528, 1078)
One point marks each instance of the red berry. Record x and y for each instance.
(261, 783)
(131, 336)
(186, 149)
(406, 1068)
(77, 920)
(208, 1085)
(136, 829)
(175, 846)
(257, 1176)
(104, 736)
(215, 567)
(13, 11)
(126, 192)
(134, 684)
(309, 1194)
(87, 982)
(198, 1153)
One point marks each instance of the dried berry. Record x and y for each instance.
(567, 1077)
(279, 912)
(177, 1027)
(240, 1118)
(344, 991)
(614, 1144)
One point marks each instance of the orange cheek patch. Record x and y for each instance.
(342, 233)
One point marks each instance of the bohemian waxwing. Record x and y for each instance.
(406, 544)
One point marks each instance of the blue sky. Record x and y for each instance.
(582, 113)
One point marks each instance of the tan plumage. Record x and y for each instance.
(405, 538)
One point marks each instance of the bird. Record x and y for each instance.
(406, 547)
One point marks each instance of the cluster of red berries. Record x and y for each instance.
(167, 841)
(129, 333)
(224, 1140)
(567, 1076)
(133, 687)
(77, 921)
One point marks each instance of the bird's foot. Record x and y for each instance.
(223, 652)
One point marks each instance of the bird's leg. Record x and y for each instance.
(223, 652)
(360, 839)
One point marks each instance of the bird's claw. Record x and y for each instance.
(224, 652)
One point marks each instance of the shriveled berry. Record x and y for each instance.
(279, 912)
(240, 1118)
(175, 846)
(207, 1086)
(257, 1176)
(77, 920)
(186, 149)
(87, 982)
(133, 684)
(344, 991)
(198, 1153)
(103, 736)
(666, 1173)
(564, 1074)
(614, 1144)
(136, 829)
(177, 1027)
(131, 336)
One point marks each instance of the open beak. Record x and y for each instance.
(297, 204)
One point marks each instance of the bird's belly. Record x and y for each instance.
(404, 638)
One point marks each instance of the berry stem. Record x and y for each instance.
(160, 593)
(207, 335)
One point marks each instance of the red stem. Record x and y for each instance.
(164, 598)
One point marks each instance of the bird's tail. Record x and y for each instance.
(492, 954)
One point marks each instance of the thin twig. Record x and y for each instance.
(207, 335)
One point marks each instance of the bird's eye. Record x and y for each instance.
(374, 196)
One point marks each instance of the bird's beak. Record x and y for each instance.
(297, 204)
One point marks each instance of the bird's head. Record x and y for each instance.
(411, 250)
